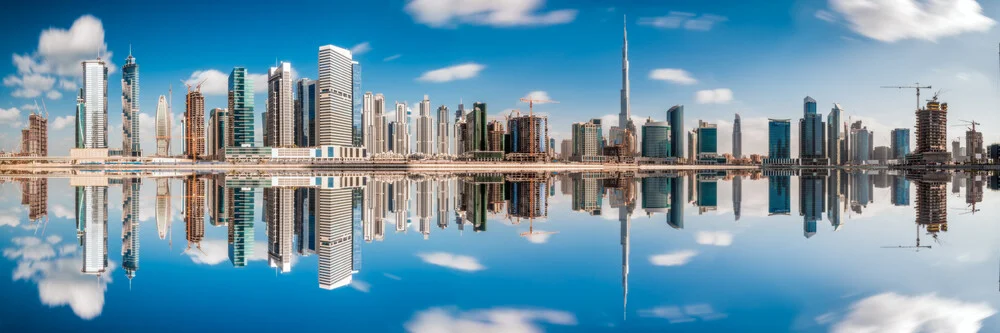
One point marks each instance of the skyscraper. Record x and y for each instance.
(587, 138)
(162, 127)
(708, 139)
(737, 195)
(281, 125)
(218, 123)
(130, 107)
(442, 131)
(656, 139)
(900, 145)
(241, 209)
(92, 124)
(194, 210)
(779, 138)
(812, 135)
(334, 102)
(834, 140)
(675, 116)
(932, 131)
(425, 129)
(737, 138)
(163, 212)
(368, 121)
(194, 123)
(625, 116)
(241, 112)
(402, 130)
(357, 104)
(305, 113)
(380, 135)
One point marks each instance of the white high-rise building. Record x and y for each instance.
(280, 107)
(368, 121)
(442, 128)
(93, 127)
(334, 232)
(381, 124)
(425, 129)
(92, 221)
(402, 128)
(162, 127)
(334, 100)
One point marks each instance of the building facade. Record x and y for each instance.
(194, 124)
(130, 107)
(425, 128)
(900, 143)
(241, 113)
(280, 107)
(218, 123)
(588, 141)
(162, 127)
(675, 117)
(834, 137)
(442, 131)
(656, 139)
(92, 122)
(779, 139)
(305, 113)
(812, 134)
(737, 138)
(334, 102)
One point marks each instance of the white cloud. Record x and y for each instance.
(507, 320)
(714, 96)
(68, 84)
(9, 115)
(539, 237)
(361, 48)
(890, 21)
(539, 95)
(59, 54)
(212, 252)
(259, 83)
(451, 13)
(60, 281)
(9, 220)
(458, 72)
(825, 16)
(678, 258)
(63, 122)
(674, 75)
(717, 238)
(687, 21)
(215, 82)
(688, 313)
(392, 57)
(29, 107)
(361, 286)
(891, 312)
(453, 261)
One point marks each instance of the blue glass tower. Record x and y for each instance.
(812, 203)
(241, 108)
(812, 132)
(675, 117)
(779, 138)
(900, 144)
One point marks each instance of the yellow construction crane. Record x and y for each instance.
(531, 103)
(914, 86)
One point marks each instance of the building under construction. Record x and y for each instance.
(932, 200)
(194, 124)
(932, 132)
(194, 210)
(35, 139)
(494, 136)
(974, 150)
(528, 137)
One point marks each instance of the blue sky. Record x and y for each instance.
(757, 58)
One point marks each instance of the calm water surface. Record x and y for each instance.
(708, 251)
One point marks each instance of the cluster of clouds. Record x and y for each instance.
(453, 261)
(682, 20)
(500, 319)
(892, 312)
(683, 314)
(56, 268)
(683, 77)
(54, 67)
(891, 21)
(451, 13)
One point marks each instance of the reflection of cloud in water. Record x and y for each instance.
(677, 258)
(215, 251)
(454, 261)
(539, 237)
(891, 312)
(717, 238)
(60, 281)
(361, 286)
(62, 212)
(506, 320)
(683, 314)
(10, 216)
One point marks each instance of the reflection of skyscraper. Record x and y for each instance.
(280, 216)
(676, 217)
(216, 200)
(974, 191)
(737, 195)
(334, 231)
(162, 206)
(241, 206)
(587, 192)
(833, 183)
(401, 203)
(779, 199)
(655, 194)
(130, 226)
(92, 217)
(442, 196)
(900, 191)
(194, 210)
(812, 193)
(932, 201)
(861, 191)
(528, 198)
(708, 194)
(424, 205)
(35, 194)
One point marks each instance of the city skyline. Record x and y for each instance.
(648, 82)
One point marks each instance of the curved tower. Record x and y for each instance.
(162, 127)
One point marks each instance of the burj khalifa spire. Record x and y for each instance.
(624, 117)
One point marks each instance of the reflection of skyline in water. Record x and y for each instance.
(330, 216)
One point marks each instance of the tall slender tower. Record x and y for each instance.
(194, 124)
(281, 122)
(162, 127)
(241, 127)
(130, 107)
(624, 117)
(425, 128)
(737, 138)
(93, 128)
(442, 134)
(367, 122)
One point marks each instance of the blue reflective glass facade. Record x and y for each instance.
(779, 199)
(779, 138)
(900, 144)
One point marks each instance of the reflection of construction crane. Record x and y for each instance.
(531, 230)
(915, 86)
(917, 246)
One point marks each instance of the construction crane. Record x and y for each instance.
(531, 103)
(197, 85)
(972, 123)
(914, 86)
(917, 246)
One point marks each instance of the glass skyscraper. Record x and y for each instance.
(241, 108)
(305, 113)
(812, 132)
(130, 107)
(92, 124)
(900, 143)
(779, 199)
(779, 137)
(656, 139)
(708, 138)
(675, 117)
